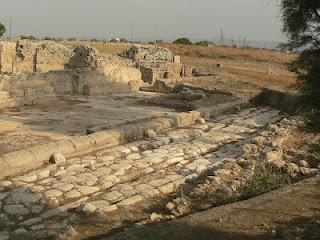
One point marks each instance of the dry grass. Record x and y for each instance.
(264, 79)
(215, 52)
(260, 74)
(104, 48)
(295, 140)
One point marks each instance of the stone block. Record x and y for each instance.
(176, 59)
(43, 152)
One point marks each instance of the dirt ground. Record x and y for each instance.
(74, 115)
(242, 78)
(292, 212)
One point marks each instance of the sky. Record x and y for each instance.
(151, 19)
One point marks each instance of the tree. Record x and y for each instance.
(2, 29)
(301, 22)
(203, 43)
(184, 41)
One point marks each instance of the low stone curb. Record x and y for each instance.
(24, 160)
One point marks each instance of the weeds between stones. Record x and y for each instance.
(264, 179)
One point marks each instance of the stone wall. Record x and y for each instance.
(82, 71)
(153, 72)
(26, 56)
(150, 54)
(51, 56)
(85, 57)
(94, 82)
(7, 56)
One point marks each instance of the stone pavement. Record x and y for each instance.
(114, 178)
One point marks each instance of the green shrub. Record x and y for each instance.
(203, 43)
(28, 37)
(184, 41)
(2, 29)
(264, 179)
(301, 23)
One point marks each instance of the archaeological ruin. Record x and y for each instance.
(89, 139)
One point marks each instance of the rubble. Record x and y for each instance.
(85, 57)
(149, 54)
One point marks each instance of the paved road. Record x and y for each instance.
(105, 181)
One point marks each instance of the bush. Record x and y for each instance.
(123, 40)
(184, 41)
(301, 22)
(49, 38)
(72, 39)
(307, 68)
(28, 37)
(203, 43)
(2, 29)
(265, 179)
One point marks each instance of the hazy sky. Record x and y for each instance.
(197, 19)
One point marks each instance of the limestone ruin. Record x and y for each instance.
(157, 63)
(149, 54)
(86, 135)
(40, 70)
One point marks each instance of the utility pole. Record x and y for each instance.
(244, 41)
(221, 37)
(155, 35)
(10, 31)
(132, 36)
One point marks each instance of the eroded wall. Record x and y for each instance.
(7, 56)
(52, 56)
(26, 56)
(44, 70)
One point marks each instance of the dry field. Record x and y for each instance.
(104, 48)
(217, 52)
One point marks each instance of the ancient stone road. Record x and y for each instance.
(121, 176)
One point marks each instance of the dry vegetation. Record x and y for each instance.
(104, 48)
(215, 52)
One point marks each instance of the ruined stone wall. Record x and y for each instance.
(158, 63)
(113, 79)
(87, 73)
(100, 75)
(25, 56)
(149, 75)
(85, 57)
(24, 89)
(7, 56)
(93, 82)
(64, 82)
(52, 56)
(153, 72)
(150, 54)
